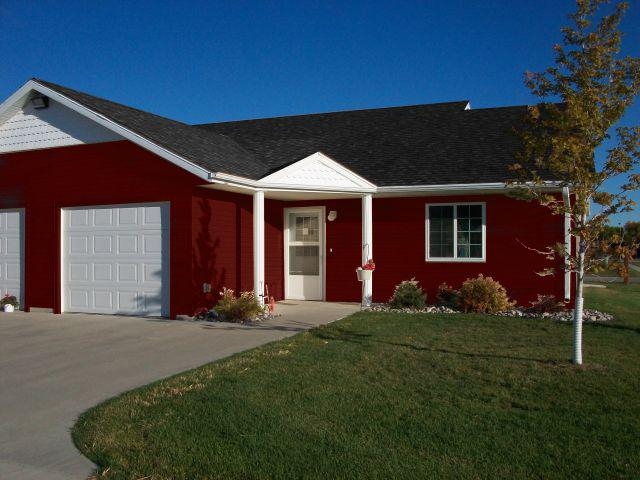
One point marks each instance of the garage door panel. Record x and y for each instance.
(102, 244)
(117, 259)
(12, 253)
(103, 300)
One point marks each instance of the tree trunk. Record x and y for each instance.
(577, 311)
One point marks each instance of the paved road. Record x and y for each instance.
(54, 367)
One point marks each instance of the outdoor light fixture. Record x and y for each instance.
(40, 101)
(333, 214)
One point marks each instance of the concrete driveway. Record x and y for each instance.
(54, 367)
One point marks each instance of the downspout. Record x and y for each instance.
(567, 243)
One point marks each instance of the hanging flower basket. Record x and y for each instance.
(363, 274)
(366, 271)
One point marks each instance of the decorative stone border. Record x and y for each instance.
(589, 316)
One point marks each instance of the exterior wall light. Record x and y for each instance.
(333, 214)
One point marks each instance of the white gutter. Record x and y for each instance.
(249, 184)
(458, 187)
(567, 242)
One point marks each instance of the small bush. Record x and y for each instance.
(546, 304)
(9, 300)
(484, 295)
(448, 296)
(237, 309)
(408, 294)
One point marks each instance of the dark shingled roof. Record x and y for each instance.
(416, 145)
(209, 150)
(431, 144)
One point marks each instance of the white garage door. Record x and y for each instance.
(12, 253)
(116, 259)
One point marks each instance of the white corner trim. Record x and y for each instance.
(17, 99)
(567, 242)
(258, 246)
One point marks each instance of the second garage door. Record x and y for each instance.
(115, 259)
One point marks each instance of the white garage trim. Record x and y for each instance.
(12, 253)
(115, 259)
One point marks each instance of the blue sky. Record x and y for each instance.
(213, 61)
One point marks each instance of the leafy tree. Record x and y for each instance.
(632, 232)
(620, 254)
(595, 85)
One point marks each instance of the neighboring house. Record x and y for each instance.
(109, 209)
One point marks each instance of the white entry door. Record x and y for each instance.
(304, 253)
(12, 253)
(115, 259)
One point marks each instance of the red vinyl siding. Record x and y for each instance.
(514, 228)
(222, 232)
(211, 231)
(44, 181)
(343, 238)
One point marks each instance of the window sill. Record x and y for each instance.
(456, 260)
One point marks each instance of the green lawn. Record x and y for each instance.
(393, 396)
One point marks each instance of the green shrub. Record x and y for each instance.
(484, 295)
(448, 296)
(237, 309)
(408, 294)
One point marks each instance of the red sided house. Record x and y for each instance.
(109, 209)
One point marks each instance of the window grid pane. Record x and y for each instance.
(441, 231)
(467, 231)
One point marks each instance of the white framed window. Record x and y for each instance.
(455, 232)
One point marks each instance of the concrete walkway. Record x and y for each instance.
(54, 367)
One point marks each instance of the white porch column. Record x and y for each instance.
(258, 245)
(367, 244)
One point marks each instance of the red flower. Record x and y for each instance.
(370, 265)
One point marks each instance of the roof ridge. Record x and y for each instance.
(462, 103)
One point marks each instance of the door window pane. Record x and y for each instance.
(303, 228)
(304, 260)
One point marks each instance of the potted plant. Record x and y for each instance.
(9, 303)
(365, 271)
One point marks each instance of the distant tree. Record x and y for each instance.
(619, 255)
(632, 232)
(595, 86)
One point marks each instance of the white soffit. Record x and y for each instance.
(14, 104)
(317, 171)
(55, 126)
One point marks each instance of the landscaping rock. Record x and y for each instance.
(383, 307)
(589, 316)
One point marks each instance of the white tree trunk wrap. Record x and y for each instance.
(577, 311)
(577, 331)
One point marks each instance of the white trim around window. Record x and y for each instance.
(454, 257)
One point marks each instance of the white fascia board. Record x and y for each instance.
(459, 187)
(276, 178)
(24, 91)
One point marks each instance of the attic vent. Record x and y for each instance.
(39, 101)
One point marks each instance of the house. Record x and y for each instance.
(105, 208)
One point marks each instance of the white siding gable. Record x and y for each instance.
(317, 171)
(55, 126)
